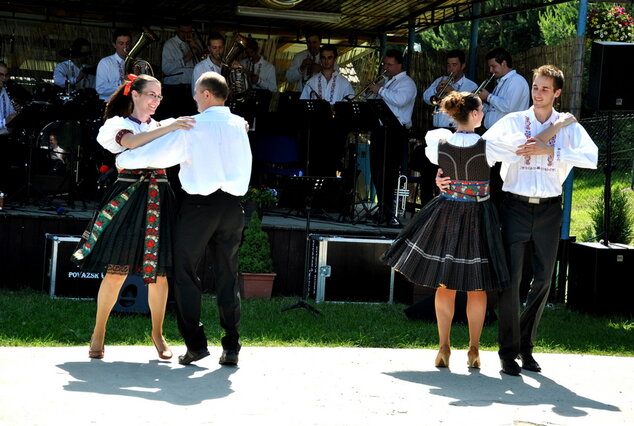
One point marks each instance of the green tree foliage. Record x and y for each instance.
(447, 37)
(621, 218)
(255, 252)
(558, 23)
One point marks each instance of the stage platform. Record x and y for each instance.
(23, 230)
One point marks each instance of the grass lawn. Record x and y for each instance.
(29, 318)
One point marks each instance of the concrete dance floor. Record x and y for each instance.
(308, 386)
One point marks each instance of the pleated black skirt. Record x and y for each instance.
(452, 244)
(122, 242)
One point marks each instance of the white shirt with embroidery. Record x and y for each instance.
(68, 71)
(440, 118)
(333, 90)
(107, 136)
(6, 109)
(542, 176)
(511, 93)
(293, 74)
(266, 72)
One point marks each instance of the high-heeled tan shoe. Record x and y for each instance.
(165, 353)
(442, 359)
(95, 354)
(473, 357)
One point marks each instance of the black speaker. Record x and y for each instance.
(600, 279)
(133, 296)
(609, 89)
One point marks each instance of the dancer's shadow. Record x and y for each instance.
(477, 390)
(156, 380)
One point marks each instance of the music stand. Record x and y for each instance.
(314, 111)
(313, 187)
(386, 120)
(355, 117)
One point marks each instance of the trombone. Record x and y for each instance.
(435, 99)
(484, 84)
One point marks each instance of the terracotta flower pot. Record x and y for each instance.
(256, 286)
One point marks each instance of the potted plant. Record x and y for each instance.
(255, 264)
(257, 199)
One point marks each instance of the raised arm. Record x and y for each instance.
(132, 141)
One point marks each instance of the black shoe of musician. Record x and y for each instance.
(191, 356)
(393, 222)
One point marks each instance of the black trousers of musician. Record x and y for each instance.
(214, 221)
(390, 147)
(177, 102)
(524, 223)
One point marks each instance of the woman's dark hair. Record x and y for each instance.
(459, 105)
(122, 105)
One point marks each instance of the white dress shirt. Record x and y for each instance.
(67, 70)
(511, 94)
(265, 70)
(110, 74)
(440, 118)
(542, 176)
(500, 149)
(176, 71)
(214, 154)
(399, 93)
(334, 90)
(203, 67)
(6, 109)
(293, 74)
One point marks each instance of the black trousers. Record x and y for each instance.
(387, 150)
(213, 221)
(523, 224)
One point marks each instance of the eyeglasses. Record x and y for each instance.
(153, 95)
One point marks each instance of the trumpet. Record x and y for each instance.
(484, 84)
(401, 194)
(362, 95)
(435, 99)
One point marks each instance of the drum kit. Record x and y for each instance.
(51, 151)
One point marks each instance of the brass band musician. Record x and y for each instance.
(260, 71)
(110, 70)
(7, 112)
(306, 63)
(73, 73)
(442, 86)
(328, 84)
(213, 61)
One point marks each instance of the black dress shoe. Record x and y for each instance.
(191, 356)
(529, 363)
(510, 367)
(229, 357)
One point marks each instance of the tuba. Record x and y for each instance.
(131, 62)
(237, 77)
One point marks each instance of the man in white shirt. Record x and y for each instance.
(511, 91)
(328, 84)
(260, 71)
(531, 211)
(7, 112)
(387, 152)
(456, 65)
(215, 168)
(213, 61)
(72, 73)
(180, 54)
(110, 70)
(306, 63)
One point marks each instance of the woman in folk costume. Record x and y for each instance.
(454, 243)
(131, 231)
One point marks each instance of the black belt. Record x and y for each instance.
(535, 200)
